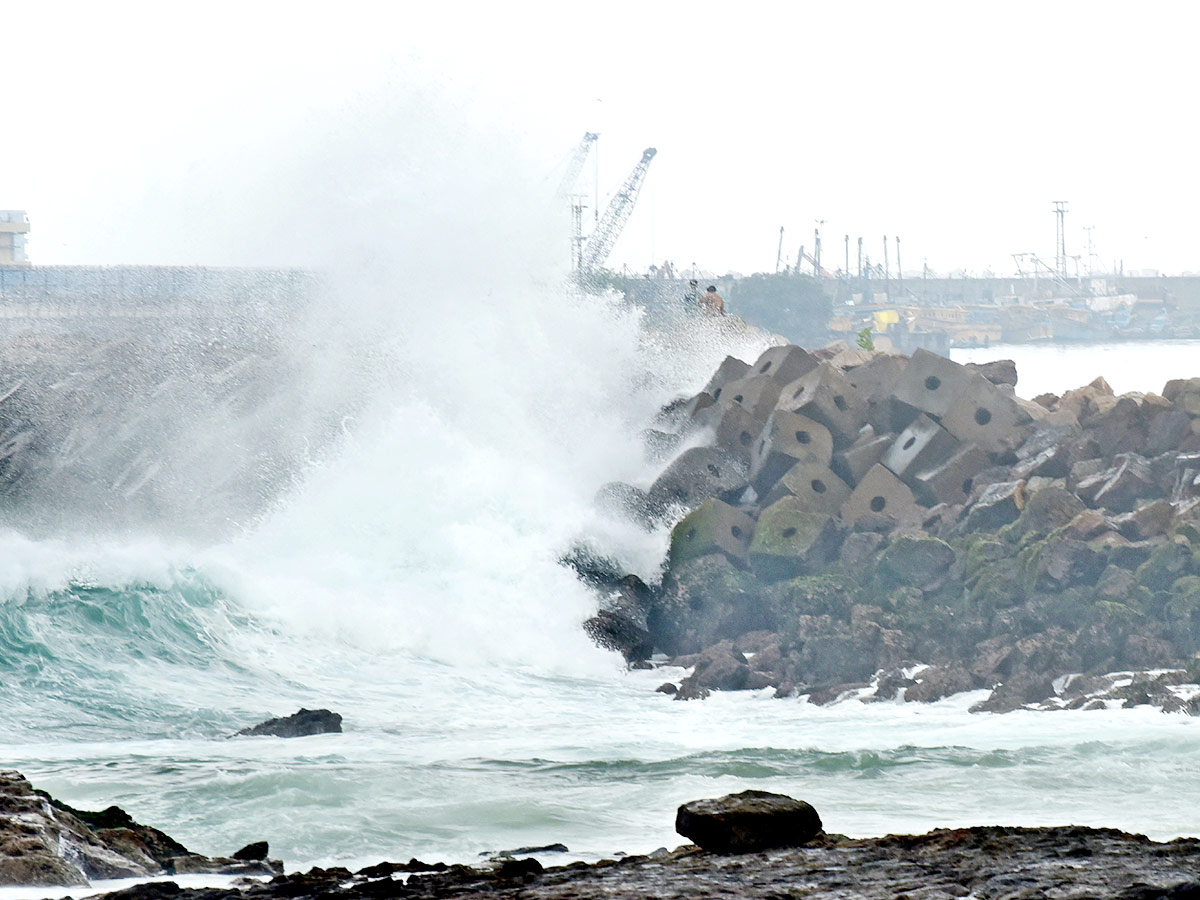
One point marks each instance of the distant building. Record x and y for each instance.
(14, 225)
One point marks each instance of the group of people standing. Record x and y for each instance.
(710, 302)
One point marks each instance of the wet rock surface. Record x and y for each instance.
(897, 511)
(1067, 863)
(302, 723)
(749, 821)
(46, 842)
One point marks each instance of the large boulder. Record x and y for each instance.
(918, 562)
(718, 668)
(747, 822)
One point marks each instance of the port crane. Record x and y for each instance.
(599, 244)
(575, 165)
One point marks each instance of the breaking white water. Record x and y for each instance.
(410, 581)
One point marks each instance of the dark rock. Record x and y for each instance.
(519, 868)
(1147, 521)
(747, 822)
(592, 566)
(997, 506)
(1089, 524)
(621, 623)
(1167, 430)
(525, 851)
(919, 562)
(1062, 562)
(303, 723)
(1121, 487)
(1017, 693)
(257, 850)
(938, 682)
(1129, 555)
(1121, 429)
(1165, 565)
(859, 547)
(704, 600)
(45, 842)
(889, 684)
(997, 371)
(1047, 510)
(719, 668)
(667, 688)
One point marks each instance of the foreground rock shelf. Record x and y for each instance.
(1064, 863)
(844, 517)
(46, 842)
(761, 845)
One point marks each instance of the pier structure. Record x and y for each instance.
(108, 301)
(14, 226)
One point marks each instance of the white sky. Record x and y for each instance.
(145, 132)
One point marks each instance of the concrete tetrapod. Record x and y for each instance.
(932, 383)
(880, 493)
(825, 396)
(786, 363)
(786, 439)
(713, 527)
(791, 540)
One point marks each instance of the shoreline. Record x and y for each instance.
(1072, 861)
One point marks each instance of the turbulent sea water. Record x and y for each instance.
(409, 580)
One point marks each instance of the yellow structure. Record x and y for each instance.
(14, 225)
(884, 318)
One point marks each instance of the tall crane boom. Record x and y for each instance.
(601, 241)
(575, 166)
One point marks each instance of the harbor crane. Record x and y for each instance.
(575, 165)
(601, 241)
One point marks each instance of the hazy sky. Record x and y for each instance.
(209, 133)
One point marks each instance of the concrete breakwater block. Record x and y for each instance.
(921, 446)
(785, 364)
(790, 540)
(695, 475)
(747, 822)
(786, 439)
(713, 527)
(986, 416)
(880, 493)
(757, 394)
(825, 396)
(733, 428)
(855, 461)
(932, 383)
(952, 481)
(814, 485)
(730, 369)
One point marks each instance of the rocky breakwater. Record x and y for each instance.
(45, 842)
(845, 518)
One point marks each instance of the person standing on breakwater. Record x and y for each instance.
(711, 302)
